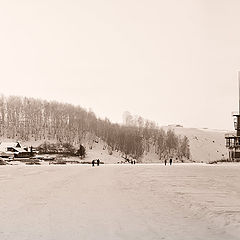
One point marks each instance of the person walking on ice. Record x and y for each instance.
(93, 161)
(98, 162)
(170, 161)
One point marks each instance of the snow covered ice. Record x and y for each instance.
(72, 202)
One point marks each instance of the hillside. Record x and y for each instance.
(205, 144)
(34, 121)
(38, 121)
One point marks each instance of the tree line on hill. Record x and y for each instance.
(25, 119)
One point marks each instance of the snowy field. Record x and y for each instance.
(73, 202)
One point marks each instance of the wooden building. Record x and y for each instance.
(15, 150)
(233, 139)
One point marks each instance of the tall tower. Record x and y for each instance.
(233, 140)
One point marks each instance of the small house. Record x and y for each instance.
(15, 149)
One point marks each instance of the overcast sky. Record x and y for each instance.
(171, 61)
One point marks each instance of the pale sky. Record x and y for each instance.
(171, 61)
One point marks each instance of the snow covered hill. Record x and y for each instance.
(205, 145)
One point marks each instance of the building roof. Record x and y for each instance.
(16, 145)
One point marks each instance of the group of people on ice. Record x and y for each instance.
(97, 161)
(131, 161)
(170, 161)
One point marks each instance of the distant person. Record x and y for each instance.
(170, 161)
(93, 162)
(134, 162)
(131, 161)
(165, 162)
(98, 162)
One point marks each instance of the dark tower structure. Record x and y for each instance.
(233, 139)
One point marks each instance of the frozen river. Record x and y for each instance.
(141, 202)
